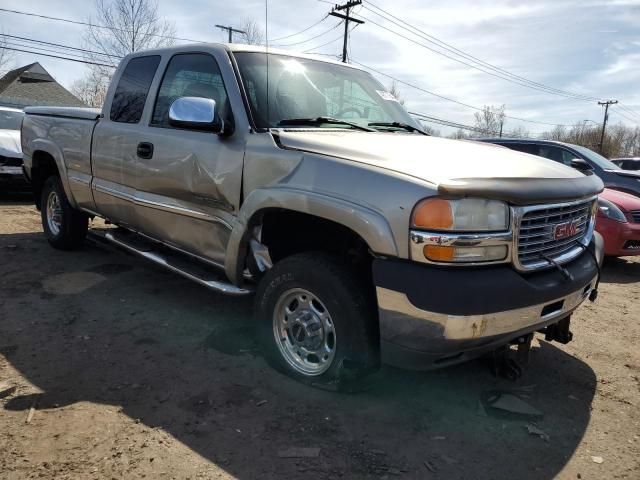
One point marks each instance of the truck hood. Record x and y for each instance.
(623, 200)
(456, 167)
(10, 143)
(626, 173)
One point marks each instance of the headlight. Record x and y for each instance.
(463, 215)
(467, 230)
(610, 210)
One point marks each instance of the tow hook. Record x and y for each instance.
(559, 331)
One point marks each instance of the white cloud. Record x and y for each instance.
(585, 46)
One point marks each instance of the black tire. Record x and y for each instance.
(351, 307)
(73, 224)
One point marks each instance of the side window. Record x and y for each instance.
(552, 153)
(190, 75)
(524, 147)
(133, 88)
(567, 156)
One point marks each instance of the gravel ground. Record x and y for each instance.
(122, 370)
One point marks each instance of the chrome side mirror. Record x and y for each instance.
(196, 113)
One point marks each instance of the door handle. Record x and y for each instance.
(145, 150)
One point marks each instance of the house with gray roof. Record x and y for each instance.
(33, 85)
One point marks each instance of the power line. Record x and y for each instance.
(493, 74)
(451, 99)
(629, 110)
(481, 64)
(301, 31)
(310, 50)
(77, 22)
(60, 57)
(625, 116)
(312, 38)
(83, 50)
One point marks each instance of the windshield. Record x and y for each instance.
(300, 88)
(10, 120)
(596, 158)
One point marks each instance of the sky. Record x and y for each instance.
(588, 47)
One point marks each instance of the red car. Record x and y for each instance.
(619, 222)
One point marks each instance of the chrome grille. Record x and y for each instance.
(635, 214)
(537, 230)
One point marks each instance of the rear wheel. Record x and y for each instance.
(317, 322)
(64, 226)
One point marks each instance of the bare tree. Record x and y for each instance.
(518, 132)
(434, 132)
(459, 134)
(396, 92)
(92, 89)
(253, 33)
(490, 120)
(6, 56)
(119, 27)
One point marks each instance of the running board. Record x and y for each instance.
(170, 259)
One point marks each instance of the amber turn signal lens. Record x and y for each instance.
(434, 213)
(438, 253)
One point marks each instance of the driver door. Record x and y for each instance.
(189, 182)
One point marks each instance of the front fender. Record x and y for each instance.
(366, 222)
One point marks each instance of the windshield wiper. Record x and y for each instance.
(405, 126)
(320, 121)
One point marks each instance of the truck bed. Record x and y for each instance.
(66, 112)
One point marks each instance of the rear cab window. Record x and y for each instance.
(133, 87)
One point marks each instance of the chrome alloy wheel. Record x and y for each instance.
(54, 213)
(304, 332)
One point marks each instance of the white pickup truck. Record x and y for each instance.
(304, 182)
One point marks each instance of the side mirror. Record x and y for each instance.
(196, 113)
(580, 164)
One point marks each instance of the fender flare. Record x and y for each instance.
(46, 146)
(364, 221)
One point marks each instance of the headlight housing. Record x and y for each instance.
(610, 210)
(462, 215)
(467, 230)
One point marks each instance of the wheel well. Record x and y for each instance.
(286, 233)
(43, 167)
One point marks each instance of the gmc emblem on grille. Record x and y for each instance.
(565, 230)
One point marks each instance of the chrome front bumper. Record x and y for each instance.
(400, 320)
(432, 317)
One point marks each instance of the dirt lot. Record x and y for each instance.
(125, 371)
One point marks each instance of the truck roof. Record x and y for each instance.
(240, 47)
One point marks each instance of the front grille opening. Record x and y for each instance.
(635, 215)
(552, 308)
(632, 245)
(538, 238)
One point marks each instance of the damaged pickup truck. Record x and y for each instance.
(303, 182)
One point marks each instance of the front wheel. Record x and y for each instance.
(317, 321)
(64, 226)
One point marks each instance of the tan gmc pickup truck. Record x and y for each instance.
(305, 183)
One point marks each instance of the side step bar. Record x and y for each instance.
(171, 259)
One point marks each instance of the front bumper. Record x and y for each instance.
(432, 317)
(620, 239)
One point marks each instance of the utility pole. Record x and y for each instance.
(347, 8)
(604, 122)
(230, 30)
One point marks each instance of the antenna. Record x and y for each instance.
(266, 52)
